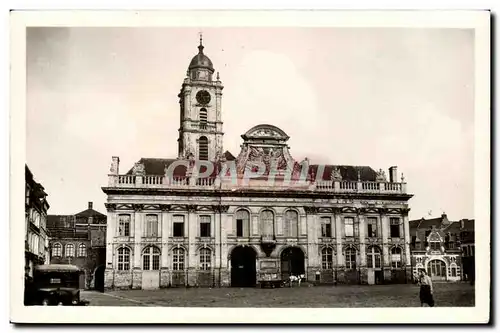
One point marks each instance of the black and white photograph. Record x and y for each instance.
(251, 167)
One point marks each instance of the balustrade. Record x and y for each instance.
(334, 186)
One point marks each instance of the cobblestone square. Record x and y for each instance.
(446, 295)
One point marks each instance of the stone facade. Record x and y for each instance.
(435, 246)
(226, 221)
(36, 240)
(80, 240)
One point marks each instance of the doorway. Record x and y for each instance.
(292, 262)
(437, 270)
(243, 267)
(99, 278)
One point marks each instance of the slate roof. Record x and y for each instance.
(90, 213)
(156, 167)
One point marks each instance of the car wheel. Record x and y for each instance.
(45, 302)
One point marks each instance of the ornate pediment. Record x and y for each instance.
(265, 131)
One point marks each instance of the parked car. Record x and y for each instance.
(54, 284)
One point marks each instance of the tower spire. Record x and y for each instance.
(200, 47)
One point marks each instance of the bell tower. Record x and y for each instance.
(200, 132)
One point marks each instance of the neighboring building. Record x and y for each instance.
(467, 241)
(345, 224)
(36, 241)
(435, 245)
(80, 240)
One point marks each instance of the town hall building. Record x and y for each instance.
(208, 218)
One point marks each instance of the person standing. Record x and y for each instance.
(426, 289)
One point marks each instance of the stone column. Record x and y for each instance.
(407, 254)
(165, 221)
(386, 264)
(192, 226)
(226, 220)
(312, 243)
(110, 234)
(339, 233)
(137, 269)
(254, 221)
(362, 246)
(302, 225)
(278, 229)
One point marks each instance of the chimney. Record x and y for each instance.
(115, 165)
(393, 174)
(90, 204)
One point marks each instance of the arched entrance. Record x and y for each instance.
(292, 262)
(243, 267)
(99, 278)
(437, 269)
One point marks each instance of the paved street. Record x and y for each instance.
(446, 294)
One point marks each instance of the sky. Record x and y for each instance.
(376, 97)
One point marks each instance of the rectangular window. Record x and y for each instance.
(239, 228)
(326, 227)
(349, 226)
(124, 225)
(435, 246)
(156, 263)
(204, 226)
(372, 227)
(151, 225)
(395, 225)
(178, 225)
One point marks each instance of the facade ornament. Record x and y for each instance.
(335, 175)
(359, 175)
(218, 77)
(110, 207)
(381, 176)
(402, 178)
(139, 169)
(191, 208)
(165, 208)
(138, 207)
(310, 209)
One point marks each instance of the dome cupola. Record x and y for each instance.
(201, 61)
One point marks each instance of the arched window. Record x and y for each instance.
(151, 258)
(350, 258)
(327, 258)
(82, 250)
(373, 257)
(203, 118)
(396, 257)
(70, 250)
(152, 225)
(242, 223)
(123, 259)
(56, 250)
(205, 259)
(203, 148)
(124, 225)
(267, 223)
(178, 259)
(291, 223)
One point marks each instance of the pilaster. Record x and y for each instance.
(192, 224)
(338, 235)
(137, 223)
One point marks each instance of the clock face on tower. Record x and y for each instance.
(203, 97)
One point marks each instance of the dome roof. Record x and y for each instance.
(201, 60)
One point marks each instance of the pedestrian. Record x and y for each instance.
(426, 289)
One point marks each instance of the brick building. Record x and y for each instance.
(80, 240)
(435, 246)
(207, 218)
(36, 240)
(467, 241)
